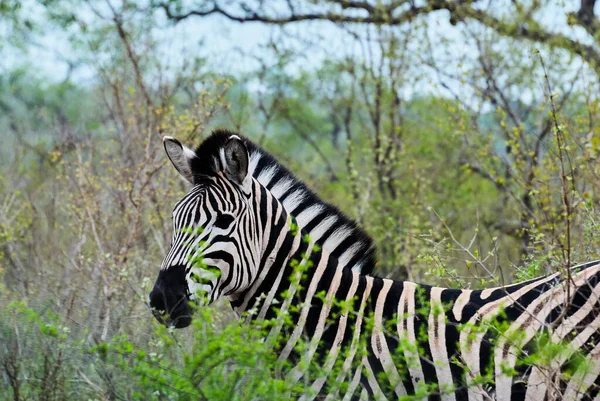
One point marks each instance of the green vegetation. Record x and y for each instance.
(470, 168)
(43, 358)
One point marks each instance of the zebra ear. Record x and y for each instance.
(181, 157)
(234, 157)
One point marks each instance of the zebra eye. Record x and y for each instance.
(224, 221)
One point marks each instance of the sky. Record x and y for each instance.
(222, 41)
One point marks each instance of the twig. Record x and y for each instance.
(560, 143)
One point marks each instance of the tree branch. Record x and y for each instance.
(376, 14)
(585, 17)
(535, 33)
(524, 28)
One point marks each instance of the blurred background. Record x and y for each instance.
(462, 135)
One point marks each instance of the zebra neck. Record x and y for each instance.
(288, 244)
(322, 221)
(294, 272)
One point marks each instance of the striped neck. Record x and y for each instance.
(290, 258)
(293, 271)
(325, 224)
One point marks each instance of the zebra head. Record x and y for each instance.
(214, 250)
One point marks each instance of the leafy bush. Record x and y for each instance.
(41, 358)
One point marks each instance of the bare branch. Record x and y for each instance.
(376, 15)
(521, 28)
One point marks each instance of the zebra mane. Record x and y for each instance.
(323, 222)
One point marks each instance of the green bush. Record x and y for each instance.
(40, 358)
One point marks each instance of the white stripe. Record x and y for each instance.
(407, 335)
(487, 292)
(271, 258)
(379, 343)
(377, 393)
(222, 158)
(253, 162)
(351, 387)
(308, 214)
(349, 254)
(266, 175)
(294, 199)
(460, 303)
(280, 187)
(437, 344)
(189, 153)
(336, 238)
(317, 232)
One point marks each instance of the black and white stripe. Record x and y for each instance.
(387, 339)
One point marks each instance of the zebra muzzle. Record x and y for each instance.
(169, 299)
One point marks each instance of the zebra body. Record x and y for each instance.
(272, 246)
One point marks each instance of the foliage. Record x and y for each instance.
(44, 359)
(470, 154)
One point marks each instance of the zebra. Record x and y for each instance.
(248, 218)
